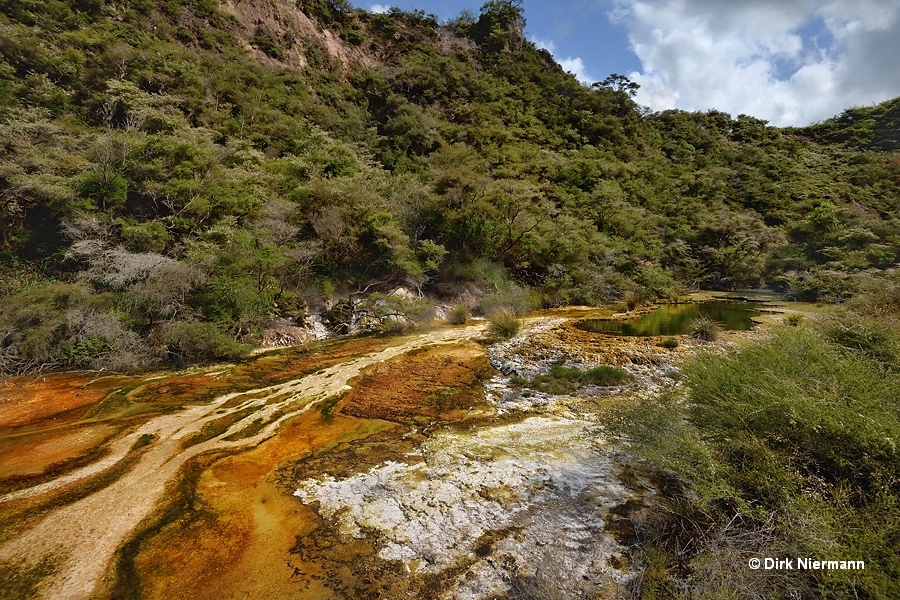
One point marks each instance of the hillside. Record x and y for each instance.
(175, 176)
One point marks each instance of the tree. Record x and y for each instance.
(618, 83)
(500, 26)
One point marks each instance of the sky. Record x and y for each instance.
(791, 62)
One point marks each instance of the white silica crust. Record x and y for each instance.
(525, 500)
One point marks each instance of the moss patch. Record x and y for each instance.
(565, 380)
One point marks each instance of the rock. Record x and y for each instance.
(286, 335)
(289, 333)
(405, 294)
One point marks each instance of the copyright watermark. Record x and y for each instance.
(804, 564)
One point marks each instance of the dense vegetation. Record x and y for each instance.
(785, 449)
(174, 177)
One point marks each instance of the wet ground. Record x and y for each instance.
(370, 468)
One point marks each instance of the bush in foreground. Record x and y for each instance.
(786, 448)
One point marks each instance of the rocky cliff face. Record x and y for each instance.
(279, 34)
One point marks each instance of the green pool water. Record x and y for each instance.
(675, 319)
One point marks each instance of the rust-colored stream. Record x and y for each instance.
(86, 467)
(369, 468)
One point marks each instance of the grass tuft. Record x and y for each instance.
(706, 329)
(793, 320)
(633, 299)
(143, 440)
(504, 323)
(458, 314)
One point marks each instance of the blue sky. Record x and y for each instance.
(570, 29)
(792, 62)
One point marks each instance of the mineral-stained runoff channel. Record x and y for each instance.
(414, 483)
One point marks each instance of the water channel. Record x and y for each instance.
(676, 319)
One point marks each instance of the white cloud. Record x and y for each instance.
(751, 56)
(547, 45)
(379, 9)
(569, 64)
(655, 93)
(577, 68)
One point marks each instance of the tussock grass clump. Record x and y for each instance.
(706, 329)
(603, 375)
(793, 320)
(143, 440)
(633, 299)
(504, 323)
(458, 314)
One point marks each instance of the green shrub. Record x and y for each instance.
(57, 324)
(518, 380)
(874, 339)
(829, 416)
(396, 325)
(669, 343)
(458, 314)
(563, 380)
(267, 46)
(785, 448)
(704, 328)
(201, 342)
(880, 296)
(504, 323)
(149, 236)
(820, 285)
